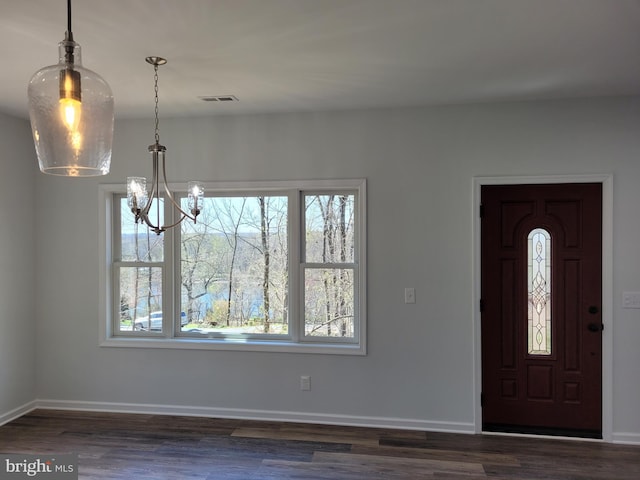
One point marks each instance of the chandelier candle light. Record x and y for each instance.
(137, 197)
(71, 113)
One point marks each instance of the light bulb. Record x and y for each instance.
(195, 192)
(70, 98)
(70, 111)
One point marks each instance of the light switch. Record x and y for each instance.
(630, 299)
(409, 295)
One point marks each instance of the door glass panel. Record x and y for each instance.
(539, 292)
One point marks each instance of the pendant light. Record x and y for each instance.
(140, 201)
(71, 113)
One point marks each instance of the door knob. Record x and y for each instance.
(594, 327)
(593, 310)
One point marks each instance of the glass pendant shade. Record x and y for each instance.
(71, 112)
(195, 196)
(137, 196)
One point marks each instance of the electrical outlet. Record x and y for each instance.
(305, 382)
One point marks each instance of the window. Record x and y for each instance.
(272, 266)
(329, 267)
(539, 292)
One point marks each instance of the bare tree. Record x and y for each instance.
(198, 270)
(342, 225)
(266, 255)
(328, 251)
(234, 217)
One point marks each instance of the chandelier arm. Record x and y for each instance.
(143, 214)
(170, 197)
(154, 179)
(167, 227)
(145, 218)
(177, 207)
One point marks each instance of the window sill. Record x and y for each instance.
(235, 345)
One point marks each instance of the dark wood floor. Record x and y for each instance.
(126, 446)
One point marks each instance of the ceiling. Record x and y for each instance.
(309, 55)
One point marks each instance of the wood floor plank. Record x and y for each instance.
(343, 471)
(308, 435)
(411, 465)
(441, 454)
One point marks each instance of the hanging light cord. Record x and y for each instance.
(68, 36)
(69, 19)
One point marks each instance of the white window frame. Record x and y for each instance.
(295, 341)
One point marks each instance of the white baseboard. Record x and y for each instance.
(626, 438)
(268, 415)
(17, 412)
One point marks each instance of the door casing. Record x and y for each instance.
(607, 284)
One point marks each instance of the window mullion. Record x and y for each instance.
(121, 264)
(170, 281)
(295, 227)
(349, 265)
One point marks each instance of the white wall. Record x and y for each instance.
(419, 164)
(18, 292)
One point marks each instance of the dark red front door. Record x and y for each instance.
(541, 308)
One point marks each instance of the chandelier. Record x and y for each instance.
(71, 113)
(140, 201)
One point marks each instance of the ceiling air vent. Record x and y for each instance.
(219, 98)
